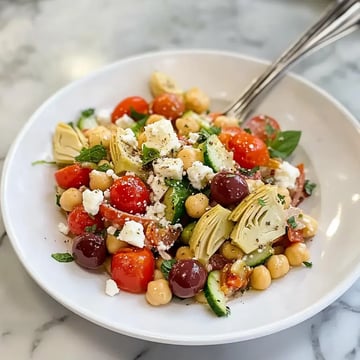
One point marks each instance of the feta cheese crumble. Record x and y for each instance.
(133, 234)
(156, 211)
(286, 175)
(158, 187)
(193, 138)
(111, 230)
(111, 287)
(128, 137)
(103, 115)
(64, 229)
(199, 175)
(92, 200)
(124, 121)
(169, 168)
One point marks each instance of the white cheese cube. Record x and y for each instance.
(64, 229)
(193, 138)
(92, 200)
(156, 211)
(103, 115)
(169, 168)
(128, 137)
(286, 175)
(125, 121)
(199, 175)
(111, 287)
(158, 186)
(133, 234)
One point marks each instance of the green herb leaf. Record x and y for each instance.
(292, 222)
(136, 115)
(281, 199)
(249, 172)
(309, 187)
(104, 167)
(117, 233)
(138, 126)
(284, 144)
(88, 112)
(261, 202)
(62, 257)
(43, 162)
(247, 130)
(308, 264)
(90, 229)
(93, 154)
(149, 154)
(58, 196)
(166, 266)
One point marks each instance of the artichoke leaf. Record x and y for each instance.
(212, 229)
(261, 219)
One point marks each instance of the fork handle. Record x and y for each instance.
(338, 21)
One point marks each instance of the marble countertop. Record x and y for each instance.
(45, 44)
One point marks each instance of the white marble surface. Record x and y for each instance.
(44, 44)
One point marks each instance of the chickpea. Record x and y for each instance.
(284, 196)
(113, 244)
(200, 297)
(141, 139)
(158, 292)
(70, 198)
(223, 121)
(230, 251)
(187, 125)
(311, 226)
(158, 263)
(297, 253)
(183, 253)
(99, 136)
(154, 118)
(158, 274)
(161, 83)
(260, 278)
(189, 155)
(196, 205)
(99, 180)
(196, 100)
(278, 265)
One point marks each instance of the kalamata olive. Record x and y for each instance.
(217, 262)
(186, 278)
(228, 188)
(89, 250)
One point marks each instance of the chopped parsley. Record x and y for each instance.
(249, 172)
(281, 199)
(308, 264)
(62, 257)
(93, 154)
(292, 222)
(309, 187)
(261, 202)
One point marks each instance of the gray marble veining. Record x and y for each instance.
(45, 44)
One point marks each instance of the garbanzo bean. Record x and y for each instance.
(158, 274)
(99, 135)
(187, 125)
(99, 180)
(196, 100)
(311, 226)
(154, 118)
(113, 244)
(189, 155)
(278, 265)
(70, 198)
(196, 205)
(223, 121)
(183, 253)
(297, 253)
(158, 292)
(260, 278)
(158, 263)
(141, 139)
(230, 251)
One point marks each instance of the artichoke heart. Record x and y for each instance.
(67, 143)
(260, 219)
(125, 157)
(212, 229)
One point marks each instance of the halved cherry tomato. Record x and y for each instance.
(72, 176)
(227, 133)
(79, 221)
(295, 235)
(130, 194)
(263, 126)
(132, 269)
(249, 150)
(170, 106)
(125, 106)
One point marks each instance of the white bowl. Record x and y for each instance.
(329, 148)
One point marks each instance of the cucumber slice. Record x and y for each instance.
(87, 122)
(216, 156)
(214, 296)
(258, 256)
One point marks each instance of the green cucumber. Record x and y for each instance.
(87, 122)
(215, 154)
(214, 296)
(258, 256)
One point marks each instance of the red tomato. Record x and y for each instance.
(132, 269)
(263, 126)
(169, 105)
(125, 106)
(79, 220)
(249, 150)
(295, 235)
(130, 194)
(72, 176)
(227, 133)
(298, 194)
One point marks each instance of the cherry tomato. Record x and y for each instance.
(80, 221)
(72, 176)
(227, 133)
(263, 126)
(249, 150)
(169, 105)
(129, 193)
(132, 269)
(125, 106)
(295, 235)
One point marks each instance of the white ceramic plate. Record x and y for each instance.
(330, 149)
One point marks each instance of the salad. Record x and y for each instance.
(173, 200)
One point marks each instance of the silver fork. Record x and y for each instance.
(338, 21)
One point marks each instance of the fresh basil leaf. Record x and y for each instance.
(88, 112)
(62, 257)
(136, 115)
(249, 172)
(308, 264)
(309, 187)
(166, 266)
(149, 154)
(281, 199)
(284, 143)
(292, 222)
(104, 167)
(139, 125)
(43, 162)
(93, 154)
